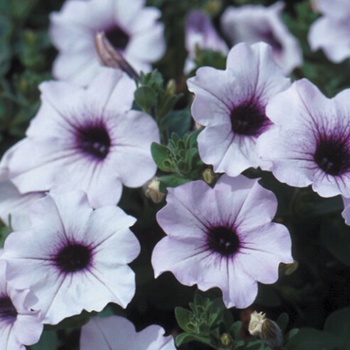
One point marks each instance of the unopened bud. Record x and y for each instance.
(213, 7)
(288, 269)
(314, 6)
(111, 57)
(208, 176)
(265, 329)
(153, 191)
(171, 87)
(198, 126)
(226, 339)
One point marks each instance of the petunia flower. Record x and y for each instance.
(331, 32)
(117, 333)
(346, 212)
(310, 141)
(74, 257)
(231, 106)
(14, 205)
(254, 23)
(222, 237)
(87, 139)
(131, 28)
(19, 325)
(200, 32)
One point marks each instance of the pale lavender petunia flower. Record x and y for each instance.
(254, 23)
(331, 32)
(310, 141)
(19, 325)
(200, 32)
(117, 333)
(131, 27)
(231, 105)
(74, 257)
(222, 237)
(346, 212)
(87, 139)
(14, 205)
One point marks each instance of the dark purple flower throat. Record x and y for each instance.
(269, 37)
(94, 140)
(73, 257)
(248, 118)
(7, 311)
(117, 37)
(333, 154)
(222, 239)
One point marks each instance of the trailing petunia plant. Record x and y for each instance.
(174, 175)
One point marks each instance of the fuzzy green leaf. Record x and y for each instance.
(146, 98)
(282, 321)
(162, 157)
(184, 338)
(335, 236)
(48, 340)
(183, 318)
(313, 339)
(338, 323)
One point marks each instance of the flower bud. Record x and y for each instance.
(213, 7)
(171, 87)
(265, 329)
(111, 57)
(153, 191)
(208, 176)
(226, 339)
(288, 269)
(314, 6)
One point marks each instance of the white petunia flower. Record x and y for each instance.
(131, 28)
(74, 257)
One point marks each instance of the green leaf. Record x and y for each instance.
(215, 318)
(228, 319)
(183, 318)
(257, 344)
(153, 79)
(338, 323)
(292, 333)
(313, 339)
(235, 330)
(5, 58)
(73, 322)
(184, 338)
(48, 340)
(207, 57)
(217, 309)
(172, 181)
(146, 98)
(4, 232)
(163, 157)
(267, 296)
(166, 105)
(335, 236)
(282, 321)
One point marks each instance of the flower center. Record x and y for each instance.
(248, 119)
(118, 37)
(270, 38)
(7, 311)
(94, 140)
(333, 156)
(73, 257)
(223, 240)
